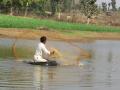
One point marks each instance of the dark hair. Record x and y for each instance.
(43, 39)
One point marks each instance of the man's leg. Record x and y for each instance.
(39, 59)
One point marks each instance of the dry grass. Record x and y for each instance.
(102, 19)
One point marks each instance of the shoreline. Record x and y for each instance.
(83, 36)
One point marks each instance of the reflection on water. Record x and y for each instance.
(101, 72)
(19, 76)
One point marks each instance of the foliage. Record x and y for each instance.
(40, 7)
(55, 6)
(88, 7)
(23, 5)
(113, 5)
(104, 7)
(67, 5)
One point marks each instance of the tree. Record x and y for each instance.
(1, 6)
(88, 8)
(109, 4)
(11, 5)
(25, 4)
(8, 3)
(67, 5)
(113, 3)
(104, 6)
(56, 6)
(40, 7)
(53, 6)
(119, 8)
(36, 6)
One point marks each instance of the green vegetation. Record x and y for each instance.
(88, 8)
(30, 23)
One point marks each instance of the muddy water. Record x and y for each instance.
(25, 49)
(101, 72)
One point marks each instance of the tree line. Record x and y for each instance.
(40, 6)
(112, 4)
(51, 7)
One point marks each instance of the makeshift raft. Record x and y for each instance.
(48, 63)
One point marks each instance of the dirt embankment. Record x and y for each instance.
(54, 35)
(36, 34)
(32, 34)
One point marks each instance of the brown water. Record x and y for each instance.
(101, 72)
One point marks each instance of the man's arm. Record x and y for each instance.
(45, 50)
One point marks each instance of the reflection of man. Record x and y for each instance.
(43, 77)
(41, 48)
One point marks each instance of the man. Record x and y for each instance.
(41, 48)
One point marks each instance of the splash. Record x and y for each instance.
(56, 54)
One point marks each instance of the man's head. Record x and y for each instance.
(43, 39)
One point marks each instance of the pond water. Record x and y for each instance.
(101, 72)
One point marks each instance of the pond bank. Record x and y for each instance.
(55, 35)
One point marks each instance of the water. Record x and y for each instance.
(101, 72)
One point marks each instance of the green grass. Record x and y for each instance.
(30, 23)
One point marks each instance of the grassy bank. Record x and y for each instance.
(30, 23)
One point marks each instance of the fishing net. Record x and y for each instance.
(56, 54)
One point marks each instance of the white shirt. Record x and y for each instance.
(40, 49)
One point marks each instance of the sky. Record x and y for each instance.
(107, 1)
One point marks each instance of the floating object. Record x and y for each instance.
(48, 63)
